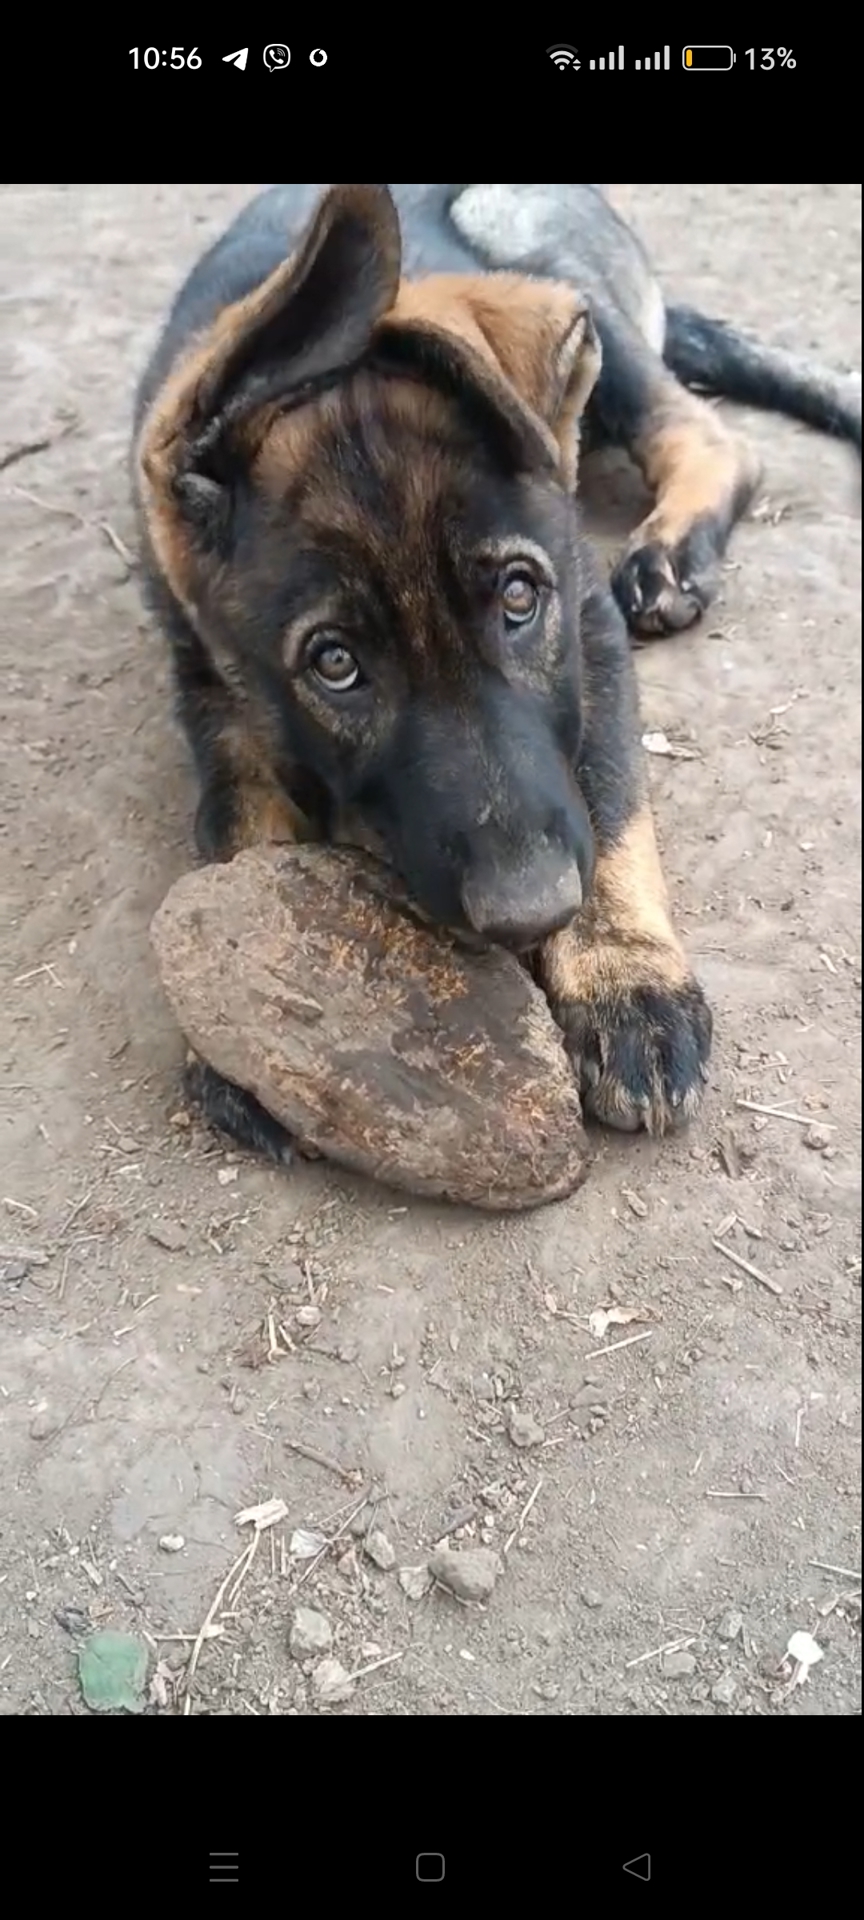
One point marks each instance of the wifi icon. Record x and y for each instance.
(562, 57)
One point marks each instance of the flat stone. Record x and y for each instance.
(380, 1550)
(679, 1666)
(301, 975)
(310, 1633)
(522, 1427)
(470, 1572)
(331, 1683)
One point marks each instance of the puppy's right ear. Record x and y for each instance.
(313, 317)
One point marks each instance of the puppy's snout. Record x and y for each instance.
(520, 910)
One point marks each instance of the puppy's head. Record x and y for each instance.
(360, 490)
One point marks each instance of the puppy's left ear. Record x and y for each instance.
(545, 341)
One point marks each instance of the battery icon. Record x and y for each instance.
(709, 59)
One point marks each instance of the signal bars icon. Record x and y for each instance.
(604, 65)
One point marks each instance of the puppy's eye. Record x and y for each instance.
(520, 598)
(334, 666)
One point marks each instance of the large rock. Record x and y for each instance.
(375, 1040)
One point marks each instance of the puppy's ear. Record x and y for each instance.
(312, 317)
(544, 338)
(528, 348)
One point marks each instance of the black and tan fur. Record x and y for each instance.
(356, 453)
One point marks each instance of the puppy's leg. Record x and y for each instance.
(701, 476)
(635, 1020)
(234, 1111)
(241, 805)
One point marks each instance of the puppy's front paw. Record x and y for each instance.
(235, 1112)
(638, 1031)
(662, 588)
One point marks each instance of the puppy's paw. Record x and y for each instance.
(663, 589)
(639, 1037)
(235, 1112)
(704, 479)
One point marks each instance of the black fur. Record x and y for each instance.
(713, 357)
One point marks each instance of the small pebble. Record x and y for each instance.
(331, 1683)
(415, 1581)
(73, 1619)
(43, 1425)
(470, 1574)
(311, 1632)
(289, 1277)
(522, 1427)
(381, 1550)
(818, 1138)
(15, 1271)
(677, 1666)
(226, 1176)
(311, 1390)
(590, 1597)
(172, 1543)
(168, 1234)
(397, 1389)
(729, 1627)
(308, 1316)
(724, 1690)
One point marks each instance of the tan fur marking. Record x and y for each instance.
(693, 466)
(264, 811)
(623, 938)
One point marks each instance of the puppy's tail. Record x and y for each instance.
(714, 358)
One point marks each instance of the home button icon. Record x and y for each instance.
(430, 1866)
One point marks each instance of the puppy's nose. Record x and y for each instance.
(520, 910)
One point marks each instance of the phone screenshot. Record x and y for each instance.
(430, 1236)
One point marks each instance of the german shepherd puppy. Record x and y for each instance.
(355, 464)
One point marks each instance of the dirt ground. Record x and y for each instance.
(179, 1323)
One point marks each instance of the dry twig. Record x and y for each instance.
(522, 1517)
(782, 1113)
(747, 1266)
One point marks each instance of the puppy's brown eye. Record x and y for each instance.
(520, 599)
(335, 667)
